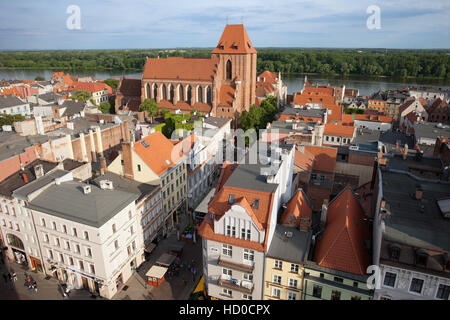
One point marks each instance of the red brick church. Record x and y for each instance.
(223, 85)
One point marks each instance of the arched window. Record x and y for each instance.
(164, 92)
(155, 91)
(229, 70)
(148, 91)
(14, 241)
(171, 93)
(209, 95)
(188, 93)
(180, 93)
(200, 94)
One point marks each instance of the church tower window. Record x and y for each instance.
(229, 70)
(200, 94)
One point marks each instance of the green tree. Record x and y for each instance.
(150, 106)
(8, 120)
(113, 83)
(81, 96)
(105, 107)
(38, 78)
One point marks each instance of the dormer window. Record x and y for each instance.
(231, 199)
(394, 251)
(421, 257)
(256, 204)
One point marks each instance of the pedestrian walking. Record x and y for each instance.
(35, 286)
(14, 276)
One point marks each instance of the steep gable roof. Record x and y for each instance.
(342, 244)
(339, 130)
(304, 159)
(299, 207)
(234, 39)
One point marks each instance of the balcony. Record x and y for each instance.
(247, 268)
(235, 284)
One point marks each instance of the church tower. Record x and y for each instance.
(236, 68)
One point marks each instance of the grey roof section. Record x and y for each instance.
(431, 130)
(12, 144)
(250, 177)
(37, 184)
(216, 121)
(203, 206)
(119, 182)
(73, 107)
(405, 223)
(10, 101)
(388, 138)
(68, 201)
(305, 112)
(16, 180)
(81, 125)
(293, 249)
(49, 97)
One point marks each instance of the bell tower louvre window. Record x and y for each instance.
(164, 92)
(200, 94)
(171, 93)
(229, 70)
(180, 93)
(188, 93)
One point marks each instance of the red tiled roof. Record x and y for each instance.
(324, 158)
(91, 87)
(227, 96)
(177, 68)
(130, 87)
(405, 105)
(374, 118)
(342, 244)
(186, 107)
(304, 159)
(158, 151)
(339, 130)
(264, 88)
(298, 207)
(325, 91)
(268, 77)
(234, 39)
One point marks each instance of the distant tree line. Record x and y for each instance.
(367, 62)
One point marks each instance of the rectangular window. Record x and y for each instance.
(294, 268)
(337, 279)
(249, 255)
(291, 295)
(248, 234)
(233, 231)
(256, 204)
(246, 297)
(227, 272)
(78, 248)
(67, 245)
(86, 235)
(443, 292)
(89, 252)
(227, 292)
(335, 295)
(227, 250)
(293, 283)
(278, 264)
(276, 293)
(61, 258)
(54, 225)
(43, 222)
(389, 279)
(317, 291)
(74, 231)
(416, 285)
(243, 233)
(116, 244)
(71, 261)
(64, 228)
(248, 277)
(228, 232)
(92, 269)
(231, 199)
(114, 228)
(81, 265)
(277, 279)
(57, 242)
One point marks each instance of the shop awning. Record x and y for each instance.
(165, 260)
(157, 272)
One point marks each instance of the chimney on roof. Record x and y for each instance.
(25, 177)
(103, 167)
(106, 185)
(87, 189)
(127, 159)
(39, 171)
(323, 214)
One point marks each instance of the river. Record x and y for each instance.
(366, 85)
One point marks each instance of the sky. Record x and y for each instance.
(118, 24)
